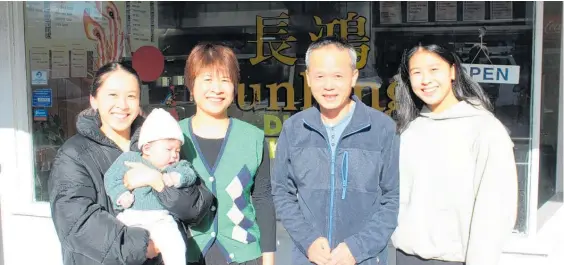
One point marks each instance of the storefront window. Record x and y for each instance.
(494, 39)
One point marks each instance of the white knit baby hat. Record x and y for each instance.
(159, 125)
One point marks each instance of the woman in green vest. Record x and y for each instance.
(231, 159)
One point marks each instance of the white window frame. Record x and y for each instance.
(534, 155)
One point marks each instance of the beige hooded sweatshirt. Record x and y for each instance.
(458, 186)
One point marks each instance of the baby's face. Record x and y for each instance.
(162, 153)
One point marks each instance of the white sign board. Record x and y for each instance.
(445, 11)
(493, 74)
(473, 11)
(39, 77)
(417, 12)
(390, 12)
(500, 10)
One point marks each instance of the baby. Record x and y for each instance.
(160, 140)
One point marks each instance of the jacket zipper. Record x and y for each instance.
(332, 187)
(332, 203)
(345, 174)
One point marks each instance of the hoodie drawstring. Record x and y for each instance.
(345, 174)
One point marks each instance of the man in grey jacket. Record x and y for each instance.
(336, 180)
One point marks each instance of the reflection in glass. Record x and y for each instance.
(181, 26)
(550, 100)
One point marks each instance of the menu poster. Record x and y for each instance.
(38, 58)
(474, 11)
(65, 19)
(501, 10)
(60, 62)
(390, 12)
(417, 11)
(446, 11)
(58, 22)
(141, 23)
(78, 62)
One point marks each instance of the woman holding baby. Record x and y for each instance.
(82, 212)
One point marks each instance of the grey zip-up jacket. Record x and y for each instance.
(351, 196)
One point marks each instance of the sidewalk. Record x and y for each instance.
(551, 236)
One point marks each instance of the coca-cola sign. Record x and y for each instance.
(553, 27)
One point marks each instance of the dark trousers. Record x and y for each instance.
(214, 256)
(405, 259)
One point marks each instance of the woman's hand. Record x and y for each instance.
(141, 175)
(268, 258)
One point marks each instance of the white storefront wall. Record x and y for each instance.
(26, 230)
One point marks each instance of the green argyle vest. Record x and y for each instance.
(233, 223)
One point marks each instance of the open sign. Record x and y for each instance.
(491, 73)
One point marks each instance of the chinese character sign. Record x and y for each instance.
(353, 29)
(272, 32)
(276, 37)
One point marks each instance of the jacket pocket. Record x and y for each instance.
(364, 168)
(310, 167)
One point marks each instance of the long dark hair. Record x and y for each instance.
(464, 88)
(108, 68)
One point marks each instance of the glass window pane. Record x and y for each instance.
(61, 60)
(550, 101)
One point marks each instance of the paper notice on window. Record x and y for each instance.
(78, 62)
(501, 10)
(141, 23)
(66, 20)
(39, 58)
(474, 11)
(35, 17)
(446, 11)
(417, 11)
(390, 12)
(59, 62)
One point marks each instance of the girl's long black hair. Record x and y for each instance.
(464, 88)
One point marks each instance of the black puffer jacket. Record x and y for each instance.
(84, 219)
